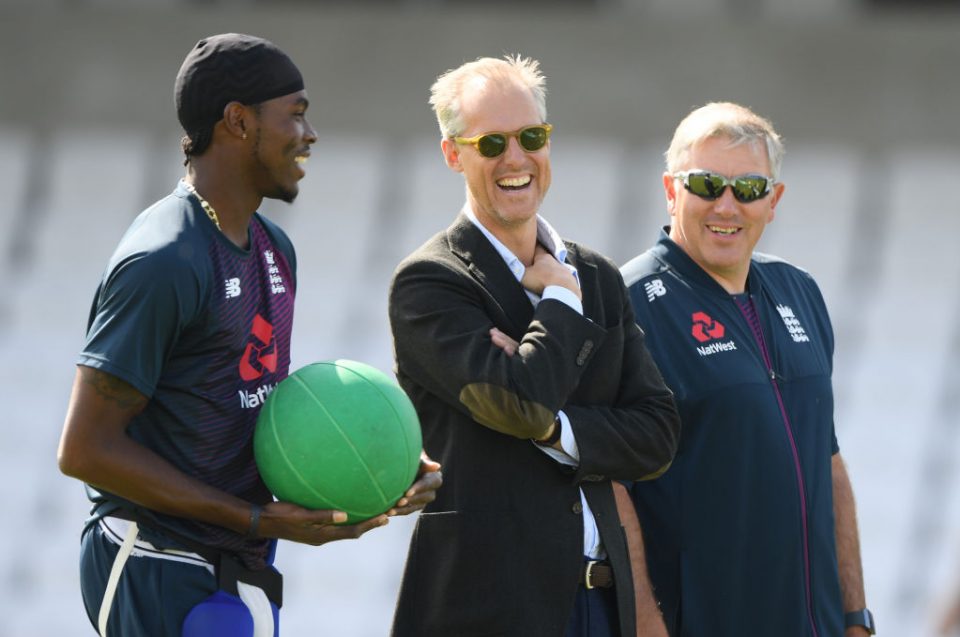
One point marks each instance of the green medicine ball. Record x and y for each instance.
(338, 435)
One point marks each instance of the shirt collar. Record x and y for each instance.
(546, 236)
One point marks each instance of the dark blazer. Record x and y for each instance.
(500, 550)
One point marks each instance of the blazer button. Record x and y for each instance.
(577, 508)
(584, 352)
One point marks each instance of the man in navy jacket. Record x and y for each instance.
(753, 529)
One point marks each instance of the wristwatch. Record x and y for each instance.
(862, 617)
(554, 435)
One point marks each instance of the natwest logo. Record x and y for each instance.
(261, 352)
(705, 328)
(253, 399)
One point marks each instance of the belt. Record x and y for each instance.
(597, 575)
(227, 568)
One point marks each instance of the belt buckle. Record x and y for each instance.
(588, 574)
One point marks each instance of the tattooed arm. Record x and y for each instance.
(96, 449)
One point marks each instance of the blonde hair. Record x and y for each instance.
(446, 91)
(724, 119)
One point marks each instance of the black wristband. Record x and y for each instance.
(255, 511)
(554, 436)
(862, 617)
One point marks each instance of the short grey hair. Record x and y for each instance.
(724, 119)
(446, 91)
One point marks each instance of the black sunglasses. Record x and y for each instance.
(531, 138)
(710, 186)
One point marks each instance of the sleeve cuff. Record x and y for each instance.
(565, 296)
(570, 455)
(567, 440)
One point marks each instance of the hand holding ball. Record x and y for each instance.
(338, 435)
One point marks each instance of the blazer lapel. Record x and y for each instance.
(589, 283)
(488, 268)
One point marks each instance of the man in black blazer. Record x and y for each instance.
(533, 386)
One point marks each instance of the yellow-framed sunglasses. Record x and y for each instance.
(531, 139)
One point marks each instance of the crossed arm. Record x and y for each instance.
(451, 335)
(95, 448)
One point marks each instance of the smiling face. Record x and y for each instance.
(505, 192)
(281, 146)
(720, 235)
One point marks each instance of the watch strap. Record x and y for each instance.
(862, 617)
(554, 435)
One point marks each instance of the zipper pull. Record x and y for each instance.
(773, 375)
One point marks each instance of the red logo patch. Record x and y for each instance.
(261, 352)
(705, 328)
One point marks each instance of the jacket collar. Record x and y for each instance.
(489, 269)
(674, 256)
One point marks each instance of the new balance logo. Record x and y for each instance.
(654, 289)
(232, 287)
(797, 333)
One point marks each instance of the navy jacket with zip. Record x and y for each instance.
(739, 531)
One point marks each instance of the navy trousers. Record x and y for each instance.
(594, 614)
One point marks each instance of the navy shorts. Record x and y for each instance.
(155, 596)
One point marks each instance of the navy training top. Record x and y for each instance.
(202, 328)
(739, 531)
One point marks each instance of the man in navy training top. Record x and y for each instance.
(753, 529)
(188, 333)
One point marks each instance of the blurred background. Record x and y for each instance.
(865, 93)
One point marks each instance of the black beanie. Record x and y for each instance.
(230, 67)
